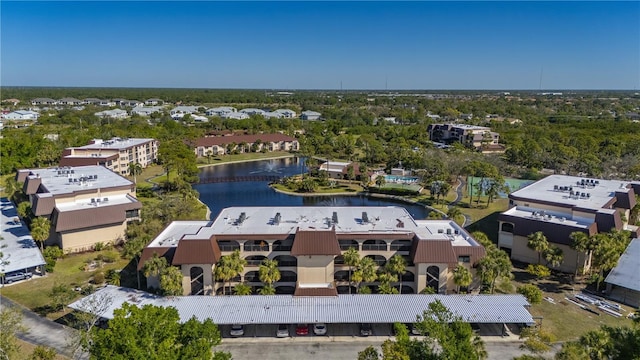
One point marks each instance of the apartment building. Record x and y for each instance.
(114, 154)
(309, 243)
(476, 137)
(559, 205)
(217, 145)
(86, 204)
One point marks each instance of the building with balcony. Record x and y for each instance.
(85, 204)
(559, 205)
(218, 145)
(309, 242)
(480, 138)
(114, 154)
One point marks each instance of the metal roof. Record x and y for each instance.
(21, 251)
(288, 309)
(627, 272)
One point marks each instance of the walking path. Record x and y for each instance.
(42, 331)
(459, 187)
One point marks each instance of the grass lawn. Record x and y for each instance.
(34, 293)
(148, 173)
(564, 319)
(341, 188)
(27, 348)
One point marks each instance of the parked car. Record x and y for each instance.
(13, 276)
(237, 330)
(302, 329)
(320, 329)
(365, 330)
(283, 331)
(413, 329)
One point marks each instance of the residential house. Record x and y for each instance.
(559, 205)
(253, 111)
(310, 115)
(13, 102)
(235, 116)
(154, 102)
(70, 102)
(218, 145)
(286, 113)
(21, 115)
(145, 110)
(112, 114)
(44, 101)
(220, 111)
(308, 244)
(114, 154)
(184, 110)
(86, 204)
(476, 137)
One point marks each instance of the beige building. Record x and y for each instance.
(218, 145)
(114, 154)
(476, 137)
(559, 205)
(309, 243)
(86, 204)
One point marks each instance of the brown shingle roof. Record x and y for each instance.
(200, 251)
(92, 216)
(325, 291)
(315, 242)
(147, 253)
(475, 252)
(31, 185)
(249, 139)
(433, 251)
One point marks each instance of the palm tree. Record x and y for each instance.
(268, 290)
(366, 272)
(242, 289)
(154, 266)
(380, 181)
(40, 227)
(397, 266)
(209, 156)
(24, 209)
(579, 243)
(462, 276)
(554, 256)
(385, 278)
(480, 349)
(11, 187)
(135, 169)
(230, 266)
(538, 242)
(351, 259)
(454, 213)
(269, 273)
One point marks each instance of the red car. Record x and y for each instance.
(302, 329)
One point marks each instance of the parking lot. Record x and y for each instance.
(335, 332)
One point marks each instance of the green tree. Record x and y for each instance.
(132, 249)
(171, 281)
(135, 169)
(60, 295)
(538, 242)
(531, 292)
(242, 289)
(495, 265)
(267, 290)
(397, 266)
(365, 272)
(539, 271)
(351, 172)
(40, 227)
(554, 256)
(536, 340)
(571, 350)
(43, 353)
(155, 333)
(11, 188)
(24, 209)
(462, 277)
(580, 242)
(352, 260)
(154, 266)
(385, 278)
(10, 325)
(455, 214)
(369, 353)
(380, 181)
(269, 273)
(230, 266)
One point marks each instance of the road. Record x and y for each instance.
(285, 349)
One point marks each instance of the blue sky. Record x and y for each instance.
(319, 45)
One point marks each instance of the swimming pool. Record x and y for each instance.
(399, 179)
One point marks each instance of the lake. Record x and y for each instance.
(218, 196)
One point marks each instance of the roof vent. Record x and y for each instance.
(365, 217)
(334, 218)
(242, 218)
(400, 223)
(277, 218)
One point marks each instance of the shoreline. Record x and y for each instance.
(247, 160)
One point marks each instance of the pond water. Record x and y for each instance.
(218, 196)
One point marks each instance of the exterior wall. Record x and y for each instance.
(624, 295)
(534, 205)
(84, 239)
(315, 269)
(421, 277)
(145, 154)
(207, 278)
(520, 252)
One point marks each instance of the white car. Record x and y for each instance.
(237, 330)
(320, 329)
(283, 331)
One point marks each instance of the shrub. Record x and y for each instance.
(531, 292)
(539, 271)
(99, 246)
(113, 277)
(98, 278)
(50, 265)
(51, 254)
(88, 290)
(109, 257)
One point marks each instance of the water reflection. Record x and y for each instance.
(258, 193)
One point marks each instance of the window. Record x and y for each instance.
(464, 259)
(507, 227)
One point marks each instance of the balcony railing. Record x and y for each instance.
(400, 247)
(229, 247)
(345, 247)
(256, 247)
(374, 247)
(282, 248)
(287, 263)
(254, 262)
